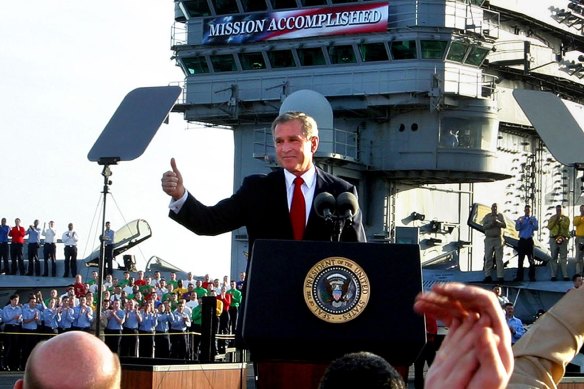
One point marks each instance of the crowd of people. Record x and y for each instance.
(13, 239)
(558, 225)
(141, 315)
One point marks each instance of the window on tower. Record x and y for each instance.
(312, 56)
(342, 54)
(281, 59)
(223, 63)
(252, 61)
(371, 52)
(195, 65)
(403, 49)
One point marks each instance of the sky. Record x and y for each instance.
(66, 66)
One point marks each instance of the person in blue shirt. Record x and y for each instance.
(129, 343)
(34, 242)
(31, 320)
(12, 318)
(50, 323)
(162, 339)
(515, 325)
(526, 225)
(146, 330)
(4, 256)
(83, 315)
(113, 329)
(179, 322)
(66, 314)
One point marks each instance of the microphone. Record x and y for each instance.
(324, 203)
(347, 206)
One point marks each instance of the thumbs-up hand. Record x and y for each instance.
(172, 182)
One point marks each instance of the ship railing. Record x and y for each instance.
(333, 143)
(178, 34)
(182, 98)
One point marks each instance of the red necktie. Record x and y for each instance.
(298, 209)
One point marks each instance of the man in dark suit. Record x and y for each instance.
(266, 205)
(262, 203)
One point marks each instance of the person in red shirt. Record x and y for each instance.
(140, 281)
(206, 281)
(17, 234)
(79, 286)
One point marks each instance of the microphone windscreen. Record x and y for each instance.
(347, 201)
(323, 201)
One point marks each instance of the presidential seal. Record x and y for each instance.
(336, 290)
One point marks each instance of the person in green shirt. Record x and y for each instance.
(124, 281)
(234, 307)
(196, 326)
(201, 292)
(173, 281)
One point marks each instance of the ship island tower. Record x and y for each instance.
(413, 100)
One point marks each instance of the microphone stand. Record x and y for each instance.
(338, 227)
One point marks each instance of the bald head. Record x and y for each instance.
(73, 359)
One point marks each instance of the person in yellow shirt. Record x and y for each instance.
(579, 224)
(559, 226)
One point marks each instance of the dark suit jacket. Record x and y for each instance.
(261, 206)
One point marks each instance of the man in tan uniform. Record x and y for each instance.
(559, 226)
(494, 225)
(477, 352)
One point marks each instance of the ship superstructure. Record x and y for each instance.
(423, 117)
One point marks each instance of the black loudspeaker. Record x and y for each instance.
(315, 301)
(129, 262)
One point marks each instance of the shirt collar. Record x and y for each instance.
(309, 177)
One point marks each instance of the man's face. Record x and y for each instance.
(17, 222)
(558, 210)
(578, 282)
(509, 310)
(293, 150)
(527, 211)
(36, 223)
(494, 208)
(3, 221)
(70, 226)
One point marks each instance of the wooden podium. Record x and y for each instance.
(308, 303)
